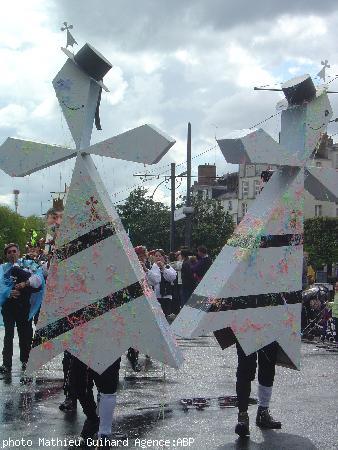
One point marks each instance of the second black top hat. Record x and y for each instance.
(299, 89)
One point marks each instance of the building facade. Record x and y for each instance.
(224, 189)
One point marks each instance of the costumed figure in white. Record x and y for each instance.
(97, 302)
(252, 294)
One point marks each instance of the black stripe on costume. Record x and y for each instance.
(282, 240)
(85, 241)
(90, 312)
(249, 301)
(266, 241)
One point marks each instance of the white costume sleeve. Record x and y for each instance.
(169, 274)
(154, 275)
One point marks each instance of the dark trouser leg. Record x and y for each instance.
(106, 384)
(165, 305)
(69, 384)
(176, 299)
(25, 333)
(267, 364)
(66, 361)
(36, 317)
(186, 294)
(108, 381)
(9, 324)
(266, 373)
(246, 371)
(81, 380)
(132, 356)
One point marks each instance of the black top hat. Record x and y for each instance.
(92, 62)
(299, 89)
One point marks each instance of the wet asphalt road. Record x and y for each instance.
(149, 404)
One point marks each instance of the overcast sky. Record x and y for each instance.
(174, 61)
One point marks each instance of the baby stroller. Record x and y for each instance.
(315, 314)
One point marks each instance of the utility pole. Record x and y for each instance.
(16, 193)
(172, 207)
(172, 179)
(187, 239)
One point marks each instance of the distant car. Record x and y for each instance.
(329, 286)
(316, 292)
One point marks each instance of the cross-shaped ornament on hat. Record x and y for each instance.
(70, 38)
(322, 73)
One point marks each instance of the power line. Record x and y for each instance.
(265, 120)
(184, 163)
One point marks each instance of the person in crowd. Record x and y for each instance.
(246, 371)
(17, 283)
(142, 254)
(334, 307)
(188, 279)
(54, 219)
(175, 262)
(203, 263)
(162, 276)
(151, 257)
(193, 260)
(133, 354)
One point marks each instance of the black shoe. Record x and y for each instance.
(242, 427)
(265, 420)
(5, 369)
(70, 404)
(90, 428)
(23, 366)
(132, 357)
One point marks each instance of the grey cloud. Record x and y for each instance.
(205, 93)
(131, 25)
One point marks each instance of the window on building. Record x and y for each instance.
(257, 187)
(318, 164)
(250, 170)
(230, 205)
(244, 208)
(318, 211)
(245, 188)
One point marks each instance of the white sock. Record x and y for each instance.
(264, 395)
(107, 405)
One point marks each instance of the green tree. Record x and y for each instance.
(147, 221)
(211, 226)
(16, 228)
(321, 240)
